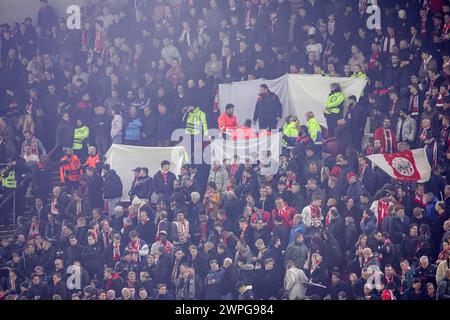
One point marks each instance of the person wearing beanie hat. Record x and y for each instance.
(354, 188)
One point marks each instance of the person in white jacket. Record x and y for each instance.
(116, 126)
(294, 282)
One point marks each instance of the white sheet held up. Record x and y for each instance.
(123, 159)
(298, 94)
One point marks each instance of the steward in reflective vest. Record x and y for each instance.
(334, 108)
(93, 160)
(227, 121)
(69, 167)
(195, 120)
(290, 131)
(314, 129)
(9, 181)
(244, 132)
(80, 136)
(360, 74)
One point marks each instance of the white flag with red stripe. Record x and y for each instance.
(406, 166)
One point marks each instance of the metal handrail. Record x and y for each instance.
(13, 196)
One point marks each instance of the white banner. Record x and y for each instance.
(298, 94)
(123, 159)
(253, 150)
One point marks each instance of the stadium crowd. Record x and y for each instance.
(327, 225)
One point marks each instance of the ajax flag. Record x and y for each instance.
(406, 166)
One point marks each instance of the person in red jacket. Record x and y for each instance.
(227, 121)
(387, 136)
(244, 132)
(287, 213)
(70, 170)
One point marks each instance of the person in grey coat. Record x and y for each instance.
(406, 128)
(297, 252)
(295, 282)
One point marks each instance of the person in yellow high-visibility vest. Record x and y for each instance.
(334, 108)
(80, 140)
(315, 131)
(360, 74)
(9, 181)
(290, 131)
(196, 128)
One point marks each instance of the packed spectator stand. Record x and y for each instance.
(328, 225)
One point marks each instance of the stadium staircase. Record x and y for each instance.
(9, 229)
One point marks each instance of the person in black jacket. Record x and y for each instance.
(163, 179)
(58, 286)
(29, 259)
(337, 227)
(94, 183)
(112, 188)
(112, 281)
(409, 243)
(92, 256)
(163, 294)
(47, 256)
(146, 227)
(102, 129)
(351, 236)
(268, 110)
(38, 290)
(64, 133)
(414, 292)
(337, 285)
(268, 281)
(73, 252)
(143, 185)
(149, 128)
(163, 270)
(164, 128)
(233, 206)
(229, 277)
(213, 281)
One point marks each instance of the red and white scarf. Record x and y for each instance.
(383, 211)
(414, 105)
(34, 231)
(116, 252)
(315, 211)
(290, 181)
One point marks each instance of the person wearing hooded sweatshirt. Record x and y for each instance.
(296, 251)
